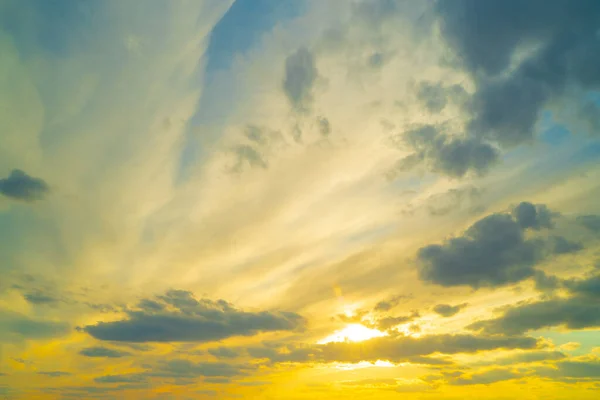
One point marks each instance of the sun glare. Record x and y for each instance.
(353, 333)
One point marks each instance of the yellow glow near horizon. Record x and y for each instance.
(353, 333)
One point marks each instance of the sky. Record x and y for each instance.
(299, 199)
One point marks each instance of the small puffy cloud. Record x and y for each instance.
(15, 326)
(446, 310)
(579, 311)
(492, 252)
(300, 76)
(103, 352)
(20, 186)
(186, 319)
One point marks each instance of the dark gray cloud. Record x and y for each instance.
(591, 222)
(190, 320)
(486, 37)
(572, 370)
(561, 245)
(224, 352)
(534, 216)
(39, 298)
(186, 368)
(15, 326)
(182, 371)
(20, 186)
(55, 374)
(402, 348)
(435, 96)
(525, 358)
(454, 156)
(387, 323)
(492, 252)
(580, 311)
(103, 352)
(446, 310)
(300, 76)
(388, 304)
(486, 377)
(124, 378)
(394, 348)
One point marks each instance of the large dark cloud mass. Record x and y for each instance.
(494, 251)
(20, 186)
(557, 46)
(179, 317)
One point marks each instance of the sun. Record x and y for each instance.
(353, 333)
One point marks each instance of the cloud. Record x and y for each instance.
(451, 155)
(17, 326)
(388, 304)
(446, 310)
(435, 96)
(572, 370)
(576, 312)
(486, 377)
(394, 348)
(402, 348)
(103, 352)
(521, 55)
(187, 368)
(591, 222)
(492, 252)
(224, 352)
(525, 358)
(54, 374)
(192, 320)
(20, 186)
(390, 322)
(300, 76)
(39, 298)
(534, 216)
(562, 245)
